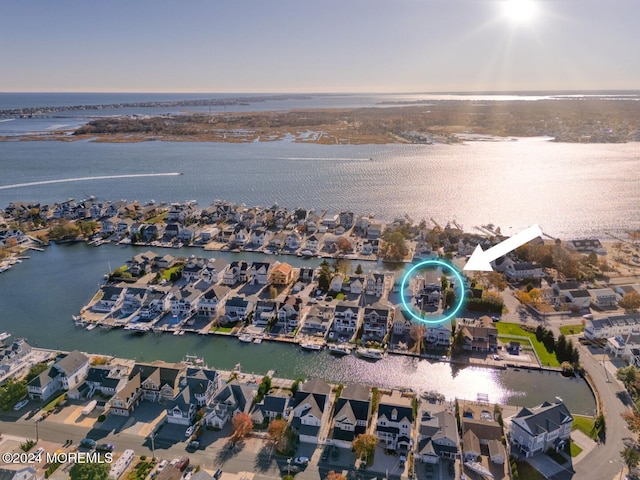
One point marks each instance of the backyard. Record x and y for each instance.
(547, 358)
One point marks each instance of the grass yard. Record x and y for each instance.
(584, 424)
(571, 329)
(575, 450)
(527, 472)
(223, 329)
(547, 359)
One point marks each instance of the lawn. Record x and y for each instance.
(527, 472)
(547, 359)
(575, 450)
(571, 329)
(584, 424)
(223, 329)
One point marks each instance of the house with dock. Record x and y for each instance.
(536, 430)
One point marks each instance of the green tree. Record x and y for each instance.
(458, 341)
(365, 446)
(324, 277)
(627, 375)
(11, 392)
(630, 457)
(35, 370)
(90, 471)
(359, 269)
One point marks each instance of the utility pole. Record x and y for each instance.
(153, 450)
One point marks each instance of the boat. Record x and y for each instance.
(371, 353)
(257, 340)
(246, 338)
(339, 349)
(306, 253)
(478, 468)
(181, 332)
(91, 326)
(4, 336)
(176, 332)
(311, 346)
(76, 318)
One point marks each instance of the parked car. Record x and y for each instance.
(218, 474)
(162, 465)
(189, 431)
(105, 447)
(193, 446)
(39, 451)
(325, 453)
(21, 404)
(88, 443)
(301, 460)
(335, 453)
(182, 463)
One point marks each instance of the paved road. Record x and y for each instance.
(604, 461)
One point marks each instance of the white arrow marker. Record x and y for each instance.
(480, 260)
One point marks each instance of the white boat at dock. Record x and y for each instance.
(257, 340)
(371, 353)
(312, 346)
(4, 336)
(340, 349)
(246, 338)
(91, 326)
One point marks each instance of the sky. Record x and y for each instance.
(317, 46)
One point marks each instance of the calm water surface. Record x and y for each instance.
(39, 296)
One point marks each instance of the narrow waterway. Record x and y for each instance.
(39, 296)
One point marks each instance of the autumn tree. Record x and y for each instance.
(492, 280)
(335, 476)
(277, 432)
(630, 457)
(630, 301)
(365, 446)
(416, 333)
(344, 244)
(393, 246)
(242, 425)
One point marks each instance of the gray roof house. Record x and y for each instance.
(353, 414)
(535, 430)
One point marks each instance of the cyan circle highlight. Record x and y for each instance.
(459, 279)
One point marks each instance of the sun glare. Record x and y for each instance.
(520, 11)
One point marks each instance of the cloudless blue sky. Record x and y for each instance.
(316, 46)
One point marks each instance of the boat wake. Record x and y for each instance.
(85, 179)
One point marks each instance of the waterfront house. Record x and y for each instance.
(184, 301)
(260, 273)
(203, 384)
(191, 271)
(187, 234)
(213, 271)
(171, 231)
(155, 303)
(355, 284)
(402, 321)
(318, 320)
(313, 242)
(376, 321)
(352, 415)
(471, 446)
(482, 432)
(211, 301)
(278, 240)
(395, 420)
(346, 219)
(237, 308)
(133, 298)
(240, 237)
(479, 335)
(536, 430)
(282, 275)
(159, 380)
(112, 298)
(293, 240)
(587, 246)
(266, 310)
(271, 407)
(522, 270)
(336, 283)
(309, 411)
(375, 284)
(612, 325)
(288, 317)
(66, 373)
(165, 261)
(124, 402)
(11, 355)
(306, 274)
(258, 236)
(108, 225)
(232, 399)
(437, 437)
(437, 335)
(367, 248)
(374, 230)
(346, 318)
(312, 223)
(603, 297)
(330, 220)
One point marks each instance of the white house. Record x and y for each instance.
(603, 297)
(395, 420)
(346, 318)
(535, 430)
(376, 321)
(612, 325)
(309, 411)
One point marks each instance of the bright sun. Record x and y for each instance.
(520, 11)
